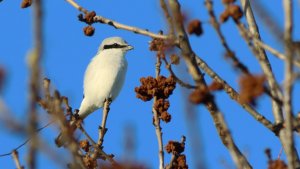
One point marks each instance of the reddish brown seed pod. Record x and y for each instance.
(195, 27)
(89, 30)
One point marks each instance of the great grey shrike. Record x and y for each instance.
(104, 77)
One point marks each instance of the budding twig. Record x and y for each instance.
(98, 150)
(117, 25)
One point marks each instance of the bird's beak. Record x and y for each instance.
(129, 47)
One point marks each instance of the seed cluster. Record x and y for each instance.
(203, 94)
(89, 19)
(177, 148)
(161, 46)
(160, 87)
(251, 87)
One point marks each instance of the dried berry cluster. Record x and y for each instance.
(203, 94)
(233, 11)
(161, 46)
(176, 148)
(89, 19)
(251, 87)
(162, 88)
(161, 106)
(195, 27)
(88, 161)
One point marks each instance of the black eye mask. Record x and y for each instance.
(114, 46)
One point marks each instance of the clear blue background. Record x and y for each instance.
(67, 52)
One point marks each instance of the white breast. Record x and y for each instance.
(104, 78)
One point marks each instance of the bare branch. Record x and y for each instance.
(229, 53)
(190, 60)
(235, 95)
(157, 120)
(16, 159)
(179, 81)
(263, 60)
(292, 157)
(34, 87)
(118, 25)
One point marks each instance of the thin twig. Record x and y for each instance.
(157, 120)
(165, 9)
(234, 95)
(27, 140)
(16, 159)
(266, 67)
(179, 81)
(292, 157)
(251, 37)
(229, 53)
(261, 56)
(270, 22)
(118, 25)
(98, 151)
(34, 87)
(102, 128)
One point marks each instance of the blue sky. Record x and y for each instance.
(67, 52)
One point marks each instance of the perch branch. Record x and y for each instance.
(102, 128)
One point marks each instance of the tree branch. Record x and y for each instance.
(190, 60)
(292, 157)
(157, 120)
(117, 25)
(102, 128)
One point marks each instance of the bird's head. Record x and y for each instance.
(115, 43)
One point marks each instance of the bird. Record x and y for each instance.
(104, 78)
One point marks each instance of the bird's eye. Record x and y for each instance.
(115, 45)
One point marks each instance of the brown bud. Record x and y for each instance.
(26, 3)
(214, 86)
(181, 161)
(85, 145)
(89, 30)
(89, 17)
(224, 16)
(195, 27)
(228, 1)
(200, 96)
(251, 87)
(166, 117)
(175, 147)
(235, 12)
